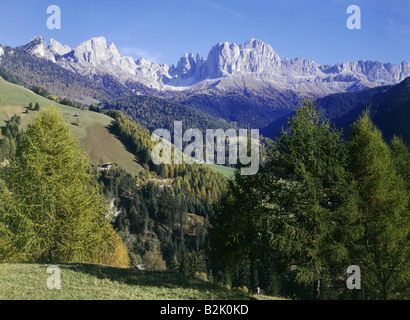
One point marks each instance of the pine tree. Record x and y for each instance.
(401, 159)
(238, 227)
(309, 197)
(383, 252)
(61, 213)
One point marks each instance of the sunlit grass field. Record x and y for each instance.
(92, 282)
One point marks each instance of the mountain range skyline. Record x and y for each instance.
(126, 51)
(253, 65)
(62, 48)
(161, 31)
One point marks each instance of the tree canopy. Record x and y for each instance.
(53, 207)
(318, 206)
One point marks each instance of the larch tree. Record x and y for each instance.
(383, 252)
(237, 228)
(59, 211)
(401, 159)
(309, 198)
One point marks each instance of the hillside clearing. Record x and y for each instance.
(226, 171)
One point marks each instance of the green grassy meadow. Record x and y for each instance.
(93, 282)
(226, 171)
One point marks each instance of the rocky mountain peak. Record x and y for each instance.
(37, 39)
(113, 49)
(92, 50)
(38, 47)
(253, 65)
(259, 46)
(185, 68)
(57, 48)
(253, 57)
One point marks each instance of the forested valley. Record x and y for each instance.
(318, 205)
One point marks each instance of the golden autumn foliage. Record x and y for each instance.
(54, 209)
(118, 255)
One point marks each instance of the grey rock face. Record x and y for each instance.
(185, 68)
(38, 47)
(57, 48)
(252, 58)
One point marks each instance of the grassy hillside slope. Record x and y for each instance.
(92, 282)
(93, 132)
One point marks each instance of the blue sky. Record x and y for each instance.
(163, 30)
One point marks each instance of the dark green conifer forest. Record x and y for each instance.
(319, 205)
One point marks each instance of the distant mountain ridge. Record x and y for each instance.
(30, 71)
(389, 108)
(245, 85)
(253, 65)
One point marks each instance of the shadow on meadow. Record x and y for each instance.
(164, 280)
